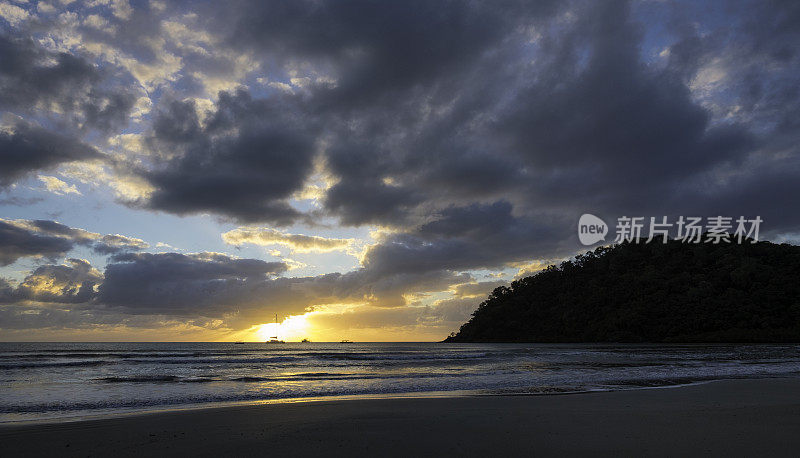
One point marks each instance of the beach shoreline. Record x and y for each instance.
(734, 417)
(166, 409)
(110, 414)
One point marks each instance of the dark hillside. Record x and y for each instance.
(654, 292)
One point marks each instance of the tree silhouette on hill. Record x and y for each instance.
(650, 292)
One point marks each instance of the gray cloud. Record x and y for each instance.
(18, 317)
(301, 243)
(553, 108)
(372, 58)
(71, 283)
(456, 310)
(213, 285)
(378, 51)
(463, 238)
(593, 127)
(201, 286)
(116, 243)
(50, 239)
(477, 289)
(32, 77)
(73, 96)
(475, 132)
(17, 242)
(31, 74)
(178, 284)
(28, 148)
(244, 163)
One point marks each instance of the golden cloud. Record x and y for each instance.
(264, 236)
(56, 186)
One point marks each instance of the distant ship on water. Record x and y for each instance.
(274, 339)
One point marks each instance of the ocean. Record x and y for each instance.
(64, 381)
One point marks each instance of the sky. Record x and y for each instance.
(364, 170)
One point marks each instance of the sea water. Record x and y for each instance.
(57, 381)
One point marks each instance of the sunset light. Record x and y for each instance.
(291, 329)
(337, 210)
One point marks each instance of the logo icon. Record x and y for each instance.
(591, 229)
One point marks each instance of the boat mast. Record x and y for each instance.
(276, 328)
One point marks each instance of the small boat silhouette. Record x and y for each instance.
(274, 339)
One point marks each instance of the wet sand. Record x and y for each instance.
(731, 418)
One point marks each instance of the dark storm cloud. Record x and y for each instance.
(552, 108)
(32, 76)
(590, 126)
(17, 242)
(601, 127)
(50, 239)
(476, 132)
(16, 317)
(116, 243)
(774, 28)
(172, 283)
(480, 132)
(379, 49)
(445, 108)
(27, 76)
(29, 148)
(244, 163)
(210, 285)
(593, 129)
(771, 98)
(103, 244)
(213, 285)
(370, 202)
(53, 296)
(164, 284)
(756, 51)
(54, 228)
(463, 238)
(68, 91)
(385, 62)
(109, 113)
(6, 292)
(382, 288)
(59, 284)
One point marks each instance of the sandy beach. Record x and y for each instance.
(732, 417)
